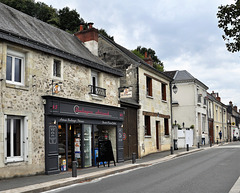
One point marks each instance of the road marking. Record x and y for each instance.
(236, 187)
(229, 146)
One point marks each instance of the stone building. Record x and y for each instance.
(233, 122)
(147, 125)
(57, 99)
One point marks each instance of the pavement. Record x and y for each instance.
(40, 183)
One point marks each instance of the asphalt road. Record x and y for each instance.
(208, 171)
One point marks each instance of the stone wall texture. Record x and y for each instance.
(26, 101)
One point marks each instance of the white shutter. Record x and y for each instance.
(5, 138)
(25, 139)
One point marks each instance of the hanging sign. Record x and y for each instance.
(126, 93)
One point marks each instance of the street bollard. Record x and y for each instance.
(217, 142)
(74, 168)
(133, 158)
(210, 143)
(187, 147)
(171, 150)
(198, 145)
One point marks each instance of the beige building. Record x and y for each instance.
(218, 112)
(55, 95)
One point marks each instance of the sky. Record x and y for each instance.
(184, 35)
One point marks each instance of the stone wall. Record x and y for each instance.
(26, 101)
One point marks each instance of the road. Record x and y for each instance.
(208, 171)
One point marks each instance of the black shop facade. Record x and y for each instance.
(73, 130)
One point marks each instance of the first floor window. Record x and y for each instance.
(147, 125)
(14, 138)
(15, 68)
(57, 68)
(149, 86)
(164, 92)
(166, 126)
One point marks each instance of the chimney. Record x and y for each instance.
(230, 103)
(89, 37)
(148, 59)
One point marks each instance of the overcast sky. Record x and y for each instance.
(183, 33)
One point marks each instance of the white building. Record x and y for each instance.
(189, 104)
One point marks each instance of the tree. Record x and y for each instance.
(104, 33)
(140, 52)
(229, 21)
(69, 20)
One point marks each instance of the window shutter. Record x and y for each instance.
(5, 139)
(25, 140)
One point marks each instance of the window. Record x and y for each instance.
(164, 93)
(166, 126)
(15, 68)
(15, 139)
(147, 125)
(94, 82)
(57, 68)
(149, 86)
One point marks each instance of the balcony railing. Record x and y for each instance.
(97, 90)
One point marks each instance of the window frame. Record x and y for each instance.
(147, 125)
(55, 74)
(16, 55)
(166, 126)
(23, 139)
(149, 86)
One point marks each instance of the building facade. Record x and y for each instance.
(148, 127)
(52, 112)
(189, 104)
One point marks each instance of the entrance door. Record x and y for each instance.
(157, 134)
(130, 132)
(211, 135)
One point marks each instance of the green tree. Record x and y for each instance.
(104, 33)
(69, 19)
(140, 52)
(229, 21)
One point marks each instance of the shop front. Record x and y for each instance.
(73, 129)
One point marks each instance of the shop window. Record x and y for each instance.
(147, 126)
(164, 93)
(149, 86)
(166, 126)
(57, 68)
(16, 139)
(15, 68)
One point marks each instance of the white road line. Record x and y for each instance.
(236, 187)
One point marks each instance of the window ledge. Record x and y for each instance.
(150, 97)
(167, 136)
(21, 87)
(148, 136)
(164, 101)
(97, 97)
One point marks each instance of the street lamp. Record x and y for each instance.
(175, 89)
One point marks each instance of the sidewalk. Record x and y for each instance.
(40, 183)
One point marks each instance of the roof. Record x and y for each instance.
(184, 76)
(132, 56)
(20, 28)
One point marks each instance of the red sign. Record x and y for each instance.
(124, 136)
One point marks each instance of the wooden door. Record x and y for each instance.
(211, 133)
(157, 135)
(130, 132)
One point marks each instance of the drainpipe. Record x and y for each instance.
(171, 148)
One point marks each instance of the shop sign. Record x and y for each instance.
(77, 148)
(126, 93)
(124, 136)
(69, 120)
(108, 123)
